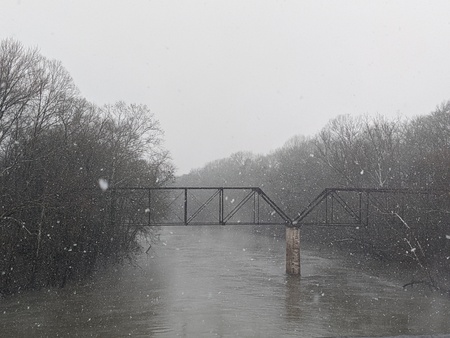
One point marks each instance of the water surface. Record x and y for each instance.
(225, 282)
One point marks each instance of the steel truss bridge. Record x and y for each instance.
(198, 206)
(162, 206)
(360, 206)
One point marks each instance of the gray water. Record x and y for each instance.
(224, 282)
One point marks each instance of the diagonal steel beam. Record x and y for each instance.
(275, 207)
(311, 206)
(202, 207)
(346, 207)
(238, 206)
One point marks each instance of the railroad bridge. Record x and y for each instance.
(336, 207)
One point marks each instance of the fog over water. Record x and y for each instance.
(222, 281)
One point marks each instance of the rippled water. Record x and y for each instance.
(221, 281)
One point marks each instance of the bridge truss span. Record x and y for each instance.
(163, 206)
(361, 206)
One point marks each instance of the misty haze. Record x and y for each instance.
(224, 168)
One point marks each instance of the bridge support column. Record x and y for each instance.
(293, 251)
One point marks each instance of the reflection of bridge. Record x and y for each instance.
(251, 205)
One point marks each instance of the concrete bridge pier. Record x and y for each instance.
(293, 250)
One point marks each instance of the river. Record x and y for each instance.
(225, 282)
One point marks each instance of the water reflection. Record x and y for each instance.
(226, 282)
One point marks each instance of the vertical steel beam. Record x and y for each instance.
(257, 208)
(185, 206)
(367, 208)
(360, 208)
(149, 207)
(254, 207)
(221, 206)
(332, 207)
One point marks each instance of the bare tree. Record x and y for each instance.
(54, 147)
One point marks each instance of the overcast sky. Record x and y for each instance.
(231, 75)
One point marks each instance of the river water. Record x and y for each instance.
(225, 282)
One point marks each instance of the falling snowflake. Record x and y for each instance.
(103, 184)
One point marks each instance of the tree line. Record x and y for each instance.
(59, 154)
(361, 152)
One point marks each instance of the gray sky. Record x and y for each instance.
(231, 75)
